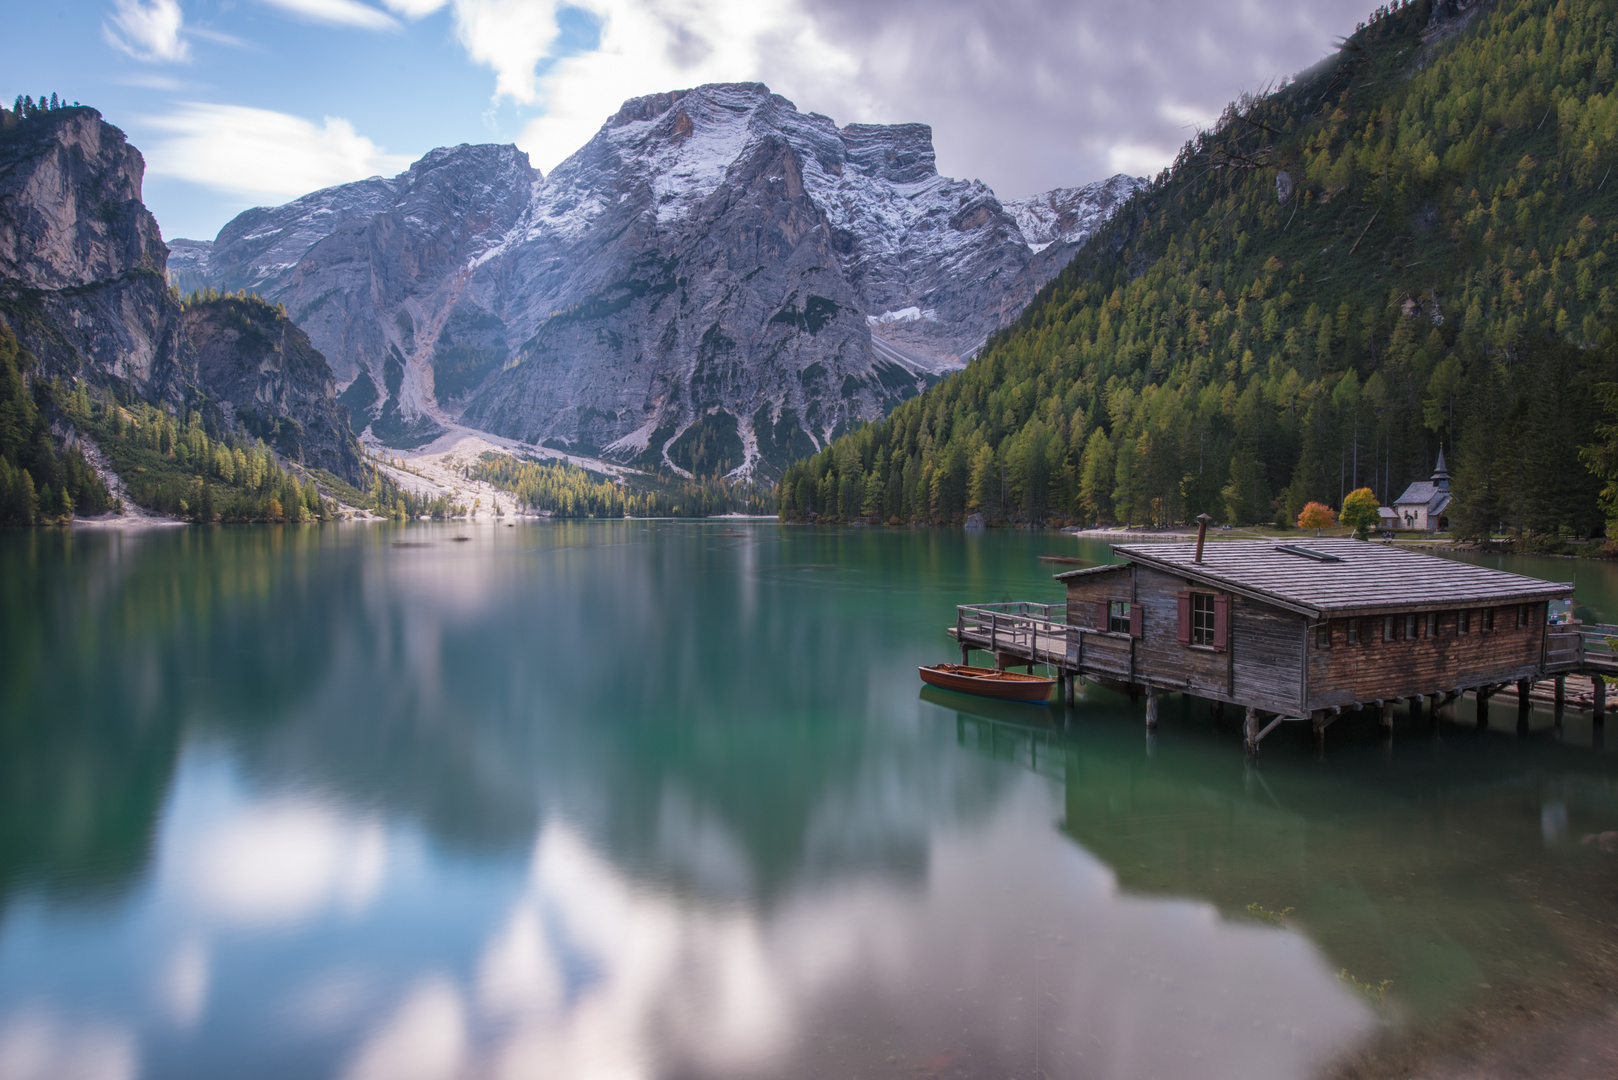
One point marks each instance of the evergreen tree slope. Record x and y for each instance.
(1406, 247)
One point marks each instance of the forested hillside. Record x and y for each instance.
(1409, 246)
(565, 490)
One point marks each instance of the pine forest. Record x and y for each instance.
(1404, 249)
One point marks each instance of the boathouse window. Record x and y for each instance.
(1410, 627)
(1202, 619)
(1463, 622)
(1387, 628)
(1323, 636)
(1432, 624)
(1488, 619)
(1118, 617)
(1353, 631)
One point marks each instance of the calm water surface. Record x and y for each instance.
(666, 800)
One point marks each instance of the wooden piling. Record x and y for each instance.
(1482, 695)
(1598, 699)
(1151, 708)
(1561, 692)
(1250, 732)
(1387, 717)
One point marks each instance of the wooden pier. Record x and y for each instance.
(1300, 632)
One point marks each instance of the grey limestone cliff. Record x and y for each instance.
(81, 259)
(261, 369)
(714, 268)
(82, 285)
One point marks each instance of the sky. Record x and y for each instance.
(241, 103)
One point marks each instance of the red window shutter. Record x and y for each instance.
(1134, 620)
(1104, 615)
(1221, 622)
(1184, 621)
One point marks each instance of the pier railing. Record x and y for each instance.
(1564, 649)
(1041, 634)
(1597, 636)
(1021, 628)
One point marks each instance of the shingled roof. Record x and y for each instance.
(1330, 577)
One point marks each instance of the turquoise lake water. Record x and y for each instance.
(667, 799)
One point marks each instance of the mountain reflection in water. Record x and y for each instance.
(655, 800)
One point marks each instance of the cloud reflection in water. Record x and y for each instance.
(595, 974)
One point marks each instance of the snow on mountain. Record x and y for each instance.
(715, 282)
(1071, 215)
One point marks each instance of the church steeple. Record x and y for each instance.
(1441, 474)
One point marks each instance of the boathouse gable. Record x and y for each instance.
(1258, 658)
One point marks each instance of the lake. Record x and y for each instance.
(667, 799)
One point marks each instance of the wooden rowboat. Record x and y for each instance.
(988, 682)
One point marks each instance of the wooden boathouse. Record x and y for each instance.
(1288, 630)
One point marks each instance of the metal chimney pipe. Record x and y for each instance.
(1202, 534)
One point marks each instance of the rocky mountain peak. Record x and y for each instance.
(72, 184)
(713, 268)
(502, 163)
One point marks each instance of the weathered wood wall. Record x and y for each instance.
(1162, 659)
(1342, 674)
(1267, 646)
(1085, 594)
(1262, 664)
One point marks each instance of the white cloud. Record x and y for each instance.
(649, 46)
(258, 153)
(150, 80)
(680, 985)
(1138, 159)
(37, 1045)
(424, 1040)
(1036, 94)
(183, 985)
(281, 863)
(510, 36)
(415, 9)
(149, 32)
(1193, 118)
(338, 13)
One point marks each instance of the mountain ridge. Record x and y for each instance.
(711, 259)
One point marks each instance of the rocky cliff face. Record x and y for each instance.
(81, 259)
(713, 269)
(261, 369)
(82, 285)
